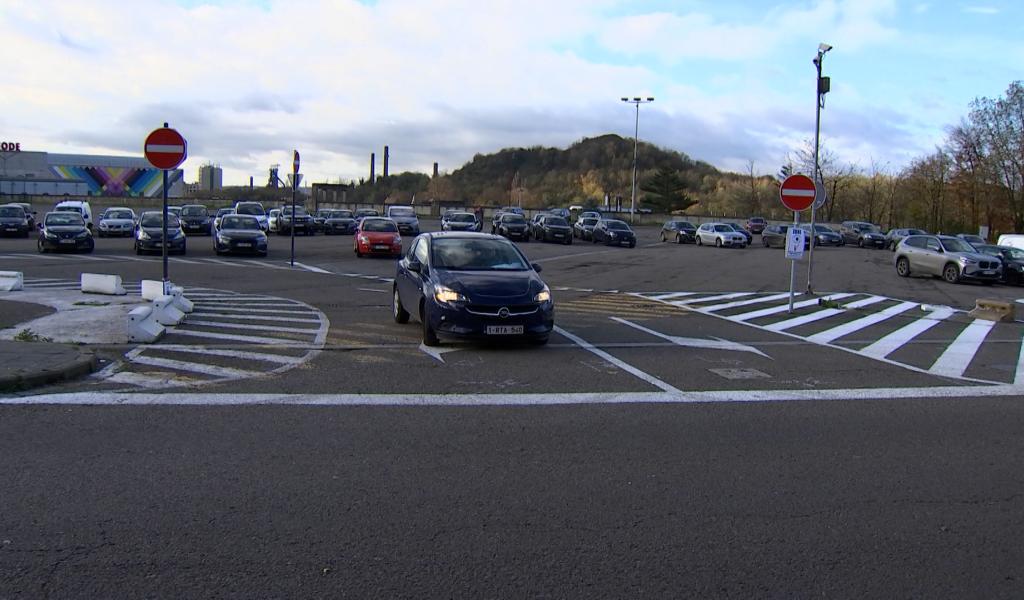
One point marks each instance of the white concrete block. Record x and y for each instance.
(166, 313)
(95, 283)
(12, 281)
(151, 289)
(143, 326)
(180, 301)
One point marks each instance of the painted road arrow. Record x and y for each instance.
(710, 344)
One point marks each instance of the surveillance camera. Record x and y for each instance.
(823, 47)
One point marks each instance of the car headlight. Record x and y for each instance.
(143, 235)
(968, 261)
(223, 238)
(447, 295)
(82, 235)
(364, 240)
(613, 235)
(50, 236)
(397, 239)
(543, 296)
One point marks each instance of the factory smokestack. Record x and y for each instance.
(435, 169)
(373, 168)
(387, 155)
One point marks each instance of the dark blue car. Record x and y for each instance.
(472, 285)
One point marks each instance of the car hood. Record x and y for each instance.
(976, 256)
(379, 237)
(193, 218)
(117, 221)
(622, 232)
(13, 220)
(340, 220)
(872, 234)
(66, 229)
(405, 220)
(242, 233)
(491, 286)
(557, 227)
(158, 231)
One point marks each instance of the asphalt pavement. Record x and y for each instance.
(683, 434)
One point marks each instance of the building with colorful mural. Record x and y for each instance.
(45, 174)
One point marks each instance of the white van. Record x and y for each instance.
(79, 206)
(1013, 240)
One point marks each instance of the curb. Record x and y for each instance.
(84, 364)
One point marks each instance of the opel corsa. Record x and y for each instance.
(472, 285)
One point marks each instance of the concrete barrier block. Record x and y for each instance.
(180, 301)
(95, 283)
(12, 281)
(993, 310)
(143, 326)
(166, 313)
(151, 290)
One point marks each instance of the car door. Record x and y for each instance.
(931, 257)
(409, 282)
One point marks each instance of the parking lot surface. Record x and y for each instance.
(683, 433)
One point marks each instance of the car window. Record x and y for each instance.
(590, 221)
(379, 225)
(414, 248)
(512, 218)
(240, 222)
(955, 245)
(723, 228)
(77, 209)
(342, 214)
(194, 211)
(421, 252)
(556, 221)
(476, 254)
(933, 245)
(117, 214)
(64, 218)
(249, 209)
(462, 218)
(155, 219)
(12, 211)
(617, 226)
(401, 212)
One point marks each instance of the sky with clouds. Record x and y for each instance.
(248, 81)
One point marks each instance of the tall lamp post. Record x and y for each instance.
(636, 134)
(823, 84)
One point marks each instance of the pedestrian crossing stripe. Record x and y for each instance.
(873, 326)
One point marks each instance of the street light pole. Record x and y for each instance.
(636, 101)
(822, 86)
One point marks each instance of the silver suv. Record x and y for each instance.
(944, 256)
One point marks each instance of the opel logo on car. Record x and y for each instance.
(503, 312)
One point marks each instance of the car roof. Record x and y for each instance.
(461, 235)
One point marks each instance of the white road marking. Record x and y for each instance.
(845, 329)
(668, 296)
(269, 265)
(804, 319)
(184, 261)
(712, 344)
(213, 315)
(252, 339)
(373, 290)
(415, 399)
(895, 340)
(242, 300)
(272, 311)
(255, 304)
(265, 328)
(44, 256)
(436, 353)
(312, 268)
(193, 367)
(651, 379)
(737, 303)
(959, 354)
(577, 255)
(260, 356)
(774, 310)
(689, 303)
(218, 261)
(1018, 378)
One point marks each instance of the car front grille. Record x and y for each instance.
(492, 310)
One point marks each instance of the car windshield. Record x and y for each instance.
(955, 245)
(12, 211)
(249, 209)
(340, 214)
(225, 211)
(194, 211)
(723, 228)
(556, 221)
(77, 209)
(382, 225)
(367, 213)
(916, 232)
(462, 218)
(685, 225)
(476, 254)
(402, 212)
(512, 218)
(589, 222)
(240, 222)
(119, 214)
(823, 229)
(64, 218)
(299, 211)
(155, 219)
(756, 220)
(617, 225)
(864, 228)
(1014, 253)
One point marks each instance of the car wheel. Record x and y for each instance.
(679, 239)
(40, 247)
(700, 240)
(632, 244)
(951, 273)
(400, 314)
(718, 242)
(764, 242)
(568, 242)
(137, 249)
(358, 253)
(429, 335)
(860, 243)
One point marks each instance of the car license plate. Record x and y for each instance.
(12, 229)
(988, 272)
(67, 241)
(244, 244)
(381, 247)
(504, 329)
(558, 235)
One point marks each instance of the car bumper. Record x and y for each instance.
(13, 229)
(460, 322)
(196, 227)
(116, 230)
(829, 242)
(620, 241)
(408, 229)
(241, 247)
(385, 249)
(69, 245)
(981, 274)
(519, 235)
(157, 245)
(874, 243)
(339, 228)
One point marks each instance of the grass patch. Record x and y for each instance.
(27, 335)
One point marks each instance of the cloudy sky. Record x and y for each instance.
(248, 81)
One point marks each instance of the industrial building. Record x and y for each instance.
(44, 174)
(211, 177)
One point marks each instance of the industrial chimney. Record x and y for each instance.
(373, 168)
(387, 155)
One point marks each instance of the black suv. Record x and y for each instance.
(302, 222)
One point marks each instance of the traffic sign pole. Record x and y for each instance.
(295, 187)
(792, 267)
(165, 149)
(166, 279)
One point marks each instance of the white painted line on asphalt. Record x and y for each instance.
(261, 356)
(93, 258)
(43, 256)
(1018, 378)
(577, 255)
(312, 268)
(270, 311)
(959, 354)
(243, 300)
(764, 312)
(845, 329)
(691, 302)
(183, 261)
(252, 339)
(804, 319)
(712, 344)
(214, 315)
(668, 296)
(556, 399)
(244, 303)
(651, 379)
(893, 341)
(372, 290)
(269, 265)
(266, 328)
(131, 258)
(193, 367)
(436, 353)
(738, 303)
(865, 302)
(218, 261)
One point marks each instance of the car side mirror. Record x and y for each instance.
(536, 267)
(415, 266)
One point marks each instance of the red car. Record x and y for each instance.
(378, 236)
(756, 224)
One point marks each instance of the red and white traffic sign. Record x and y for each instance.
(295, 163)
(797, 192)
(165, 148)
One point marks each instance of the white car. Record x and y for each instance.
(119, 221)
(720, 234)
(79, 206)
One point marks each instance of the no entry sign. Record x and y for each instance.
(797, 192)
(165, 148)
